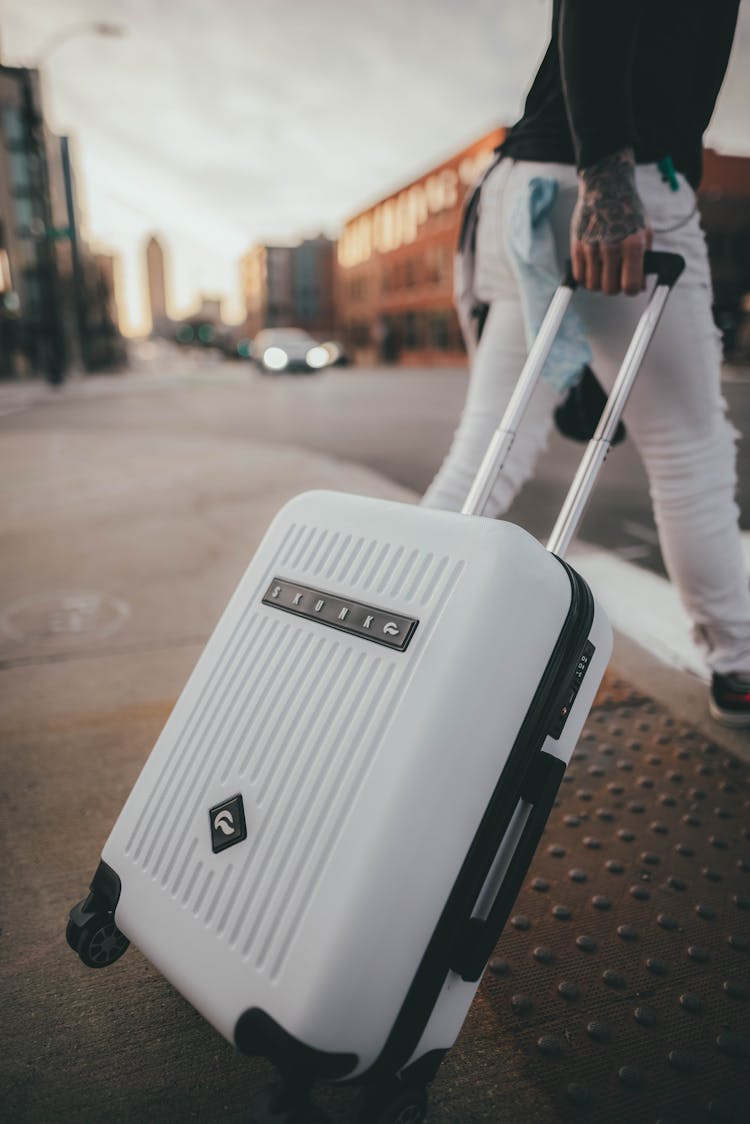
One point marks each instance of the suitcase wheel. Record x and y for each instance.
(95, 938)
(394, 1104)
(280, 1104)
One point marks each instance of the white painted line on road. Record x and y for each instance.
(634, 552)
(13, 410)
(640, 531)
(644, 606)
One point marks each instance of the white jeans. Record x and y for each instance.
(676, 414)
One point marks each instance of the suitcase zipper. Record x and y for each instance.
(528, 798)
(462, 942)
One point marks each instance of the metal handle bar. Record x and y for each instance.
(668, 268)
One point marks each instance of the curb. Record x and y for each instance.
(653, 647)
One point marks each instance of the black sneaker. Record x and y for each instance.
(729, 700)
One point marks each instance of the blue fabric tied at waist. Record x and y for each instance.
(534, 259)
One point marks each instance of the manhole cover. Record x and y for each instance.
(46, 617)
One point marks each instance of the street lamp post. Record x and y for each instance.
(101, 28)
(50, 343)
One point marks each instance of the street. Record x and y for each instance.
(488, 780)
(395, 421)
(129, 508)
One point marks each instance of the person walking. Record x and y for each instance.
(615, 117)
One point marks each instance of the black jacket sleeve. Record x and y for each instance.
(596, 45)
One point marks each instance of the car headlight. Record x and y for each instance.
(317, 357)
(333, 350)
(275, 358)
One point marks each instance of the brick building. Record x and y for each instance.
(394, 281)
(724, 202)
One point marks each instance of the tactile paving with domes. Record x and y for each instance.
(623, 974)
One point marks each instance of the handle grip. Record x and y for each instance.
(667, 267)
(479, 935)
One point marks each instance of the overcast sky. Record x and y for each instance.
(221, 123)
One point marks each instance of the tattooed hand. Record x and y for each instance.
(609, 232)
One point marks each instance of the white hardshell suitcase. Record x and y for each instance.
(359, 769)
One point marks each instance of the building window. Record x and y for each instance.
(13, 126)
(24, 214)
(415, 330)
(33, 294)
(19, 172)
(437, 264)
(358, 289)
(27, 253)
(440, 331)
(444, 263)
(360, 333)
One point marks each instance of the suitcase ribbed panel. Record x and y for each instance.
(148, 821)
(328, 716)
(361, 565)
(291, 846)
(292, 715)
(240, 719)
(246, 648)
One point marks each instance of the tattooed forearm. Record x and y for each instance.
(609, 230)
(609, 208)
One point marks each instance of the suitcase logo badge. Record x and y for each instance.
(227, 823)
(224, 822)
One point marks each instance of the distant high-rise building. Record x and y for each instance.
(289, 286)
(106, 264)
(266, 273)
(312, 285)
(209, 310)
(104, 344)
(157, 287)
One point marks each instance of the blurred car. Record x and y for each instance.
(276, 350)
(243, 348)
(196, 332)
(337, 357)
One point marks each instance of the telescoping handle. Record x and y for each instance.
(667, 268)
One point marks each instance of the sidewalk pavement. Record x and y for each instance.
(118, 551)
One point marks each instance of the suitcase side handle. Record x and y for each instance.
(668, 268)
(482, 929)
